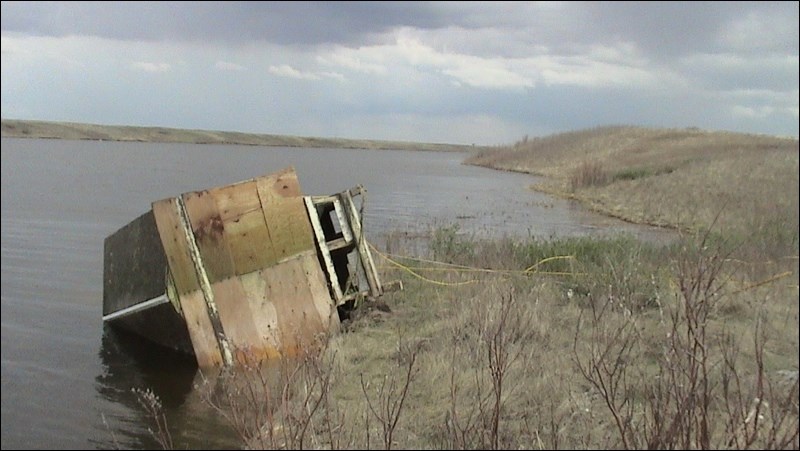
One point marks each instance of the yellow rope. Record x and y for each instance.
(557, 257)
(533, 269)
(462, 268)
(495, 271)
(420, 276)
(763, 282)
(419, 259)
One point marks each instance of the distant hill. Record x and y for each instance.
(13, 128)
(685, 178)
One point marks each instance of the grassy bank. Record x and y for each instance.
(578, 343)
(75, 131)
(688, 178)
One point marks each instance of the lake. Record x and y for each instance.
(66, 381)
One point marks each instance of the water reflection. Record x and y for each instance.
(131, 363)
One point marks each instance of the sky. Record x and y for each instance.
(485, 73)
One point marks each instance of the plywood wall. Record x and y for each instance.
(246, 270)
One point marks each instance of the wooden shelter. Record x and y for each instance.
(239, 273)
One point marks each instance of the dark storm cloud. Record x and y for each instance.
(277, 22)
(659, 29)
(673, 28)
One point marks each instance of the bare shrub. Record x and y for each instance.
(491, 342)
(152, 406)
(391, 394)
(280, 404)
(680, 413)
(698, 392)
(763, 413)
(612, 344)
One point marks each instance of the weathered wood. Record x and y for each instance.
(339, 243)
(158, 324)
(347, 234)
(135, 275)
(285, 214)
(265, 316)
(245, 229)
(324, 199)
(205, 285)
(236, 317)
(320, 295)
(172, 294)
(319, 235)
(188, 269)
(204, 340)
(245, 268)
(175, 245)
(361, 245)
(209, 234)
(283, 183)
(299, 321)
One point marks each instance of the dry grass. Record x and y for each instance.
(638, 345)
(647, 294)
(677, 178)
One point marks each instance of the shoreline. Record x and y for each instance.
(16, 128)
(584, 202)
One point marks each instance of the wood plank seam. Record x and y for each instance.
(205, 285)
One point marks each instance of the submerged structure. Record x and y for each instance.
(239, 273)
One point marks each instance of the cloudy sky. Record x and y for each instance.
(456, 72)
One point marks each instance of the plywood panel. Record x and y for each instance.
(303, 237)
(320, 295)
(285, 214)
(235, 200)
(256, 287)
(209, 233)
(245, 229)
(236, 316)
(201, 332)
(176, 247)
(292, 227)
(265, 316)
(282, 183)
(299, 321)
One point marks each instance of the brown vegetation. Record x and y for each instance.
(679, 178)
(623, 345)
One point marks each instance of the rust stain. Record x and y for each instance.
(211, 228)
